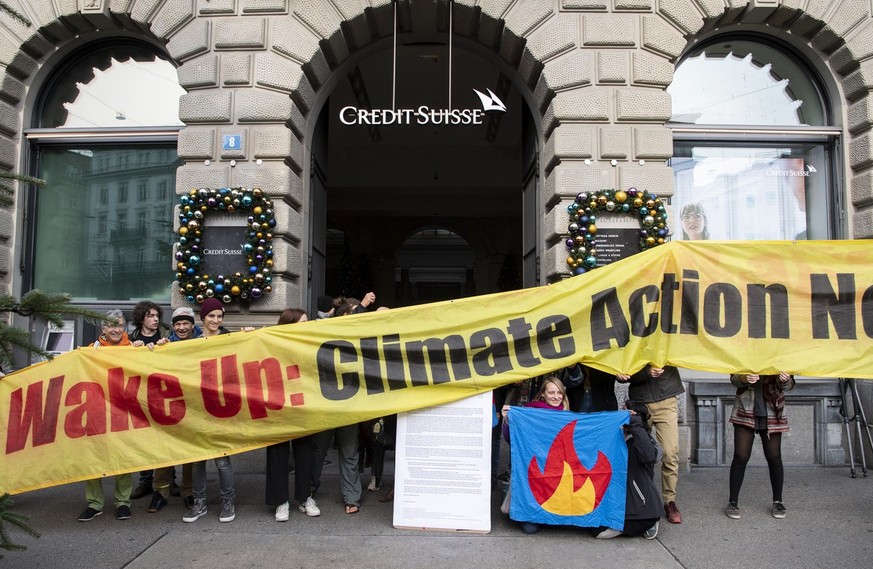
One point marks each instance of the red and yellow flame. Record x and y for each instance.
(565, 487)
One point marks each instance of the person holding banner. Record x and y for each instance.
(643, 505)
(184, 328)
(658, 389)
(759, 407)
(589, 390)
(278, 455)
(212, 315)
(147, 331)
(113, 335)
(551, 396)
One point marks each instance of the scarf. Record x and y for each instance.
(104, 341)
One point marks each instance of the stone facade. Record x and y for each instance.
(596, 72)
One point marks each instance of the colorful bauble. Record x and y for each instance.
(195, 206)
(648, 208)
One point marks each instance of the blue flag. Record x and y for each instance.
(568, 468)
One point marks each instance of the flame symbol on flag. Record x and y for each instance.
(565, 487)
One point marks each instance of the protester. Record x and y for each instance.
(183, 329)
(147, 331)
(278, 455)
(643, 505)
(658, 389)
(589, 390)
(550, 396)
(212, 316)
(113, 335)
(759, 407)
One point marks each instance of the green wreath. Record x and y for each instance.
(197, 286)
(582, 257)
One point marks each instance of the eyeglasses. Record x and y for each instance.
(694, 216)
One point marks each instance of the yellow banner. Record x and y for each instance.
(764, 306)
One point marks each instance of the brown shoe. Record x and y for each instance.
(673, 515)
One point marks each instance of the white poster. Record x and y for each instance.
(443, 467)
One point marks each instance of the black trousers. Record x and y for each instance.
(278, 468)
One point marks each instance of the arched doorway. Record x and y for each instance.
(420, 144)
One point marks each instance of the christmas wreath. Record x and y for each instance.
(257, 250)
(582, 257)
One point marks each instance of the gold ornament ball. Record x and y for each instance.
(638, 203)
(592, 229)
(183, 231)
(650, 241)
(257, 210)
(235, 290)
(620, 196)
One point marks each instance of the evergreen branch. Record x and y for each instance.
(51, 306)
(10, 518)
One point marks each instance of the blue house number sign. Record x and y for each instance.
(232, 142)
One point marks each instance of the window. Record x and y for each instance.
(162, 190)
(125, 91)
(753, 154)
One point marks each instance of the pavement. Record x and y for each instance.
(829, 523)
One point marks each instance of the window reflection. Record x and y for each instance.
(750, 193)
(113, 247)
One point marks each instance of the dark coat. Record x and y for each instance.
(602, 388)
(647, 389)
(643, 497)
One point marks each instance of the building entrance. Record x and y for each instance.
(418, 179)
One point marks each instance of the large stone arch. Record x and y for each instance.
(596, 73)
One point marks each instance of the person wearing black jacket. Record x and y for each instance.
(589, 390)
(643, 504)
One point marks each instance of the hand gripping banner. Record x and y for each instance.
(763, 306)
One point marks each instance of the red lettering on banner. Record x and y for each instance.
(24, 414)
(123, 402)
(293, 373)
(230, 387)
(89, 416)
(274, 399)
(165, 399)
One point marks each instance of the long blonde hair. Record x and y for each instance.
(541, 394)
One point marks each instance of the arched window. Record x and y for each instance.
(753, 153)
(104, 139)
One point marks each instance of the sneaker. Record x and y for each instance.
(122, 513)
(198, 509)
(673, 515)
(227, 512)
(282, 512)
(529, 528)
(732, 511)
(141, 490)
(158, 502)
(652, 532)
(310, 508)
(608, 533)
(778, 510)
(89, 514)
(372, 486)
(188, 502)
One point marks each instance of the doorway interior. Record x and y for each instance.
(422, 212)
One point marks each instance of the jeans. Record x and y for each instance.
(225, 479)
(350, 476)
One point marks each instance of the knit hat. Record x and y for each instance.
(209, 305)
(183, 313)
(324, 303)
